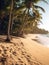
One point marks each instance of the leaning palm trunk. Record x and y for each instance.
(10, 21)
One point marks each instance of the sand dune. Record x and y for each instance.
(23, 51)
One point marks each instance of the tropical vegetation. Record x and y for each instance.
(19, 16)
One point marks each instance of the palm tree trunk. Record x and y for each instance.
(11, 25)
(10, 21)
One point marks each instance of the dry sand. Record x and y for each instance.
(23, 51)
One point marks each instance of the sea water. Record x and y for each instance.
(44, 39)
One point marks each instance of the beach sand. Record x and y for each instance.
(23, 51)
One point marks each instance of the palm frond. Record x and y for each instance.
(39, 7)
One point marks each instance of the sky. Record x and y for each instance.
(45, 16)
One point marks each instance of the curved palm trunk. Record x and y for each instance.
(10, 22)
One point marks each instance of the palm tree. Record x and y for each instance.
(28, 4)
(10, 21)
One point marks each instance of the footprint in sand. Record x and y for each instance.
(14, 53)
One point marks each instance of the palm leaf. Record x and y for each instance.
(39, 7)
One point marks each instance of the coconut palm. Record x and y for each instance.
(29, 7)
(10, 21)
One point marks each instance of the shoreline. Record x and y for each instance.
(36, 49)
(38, 52)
